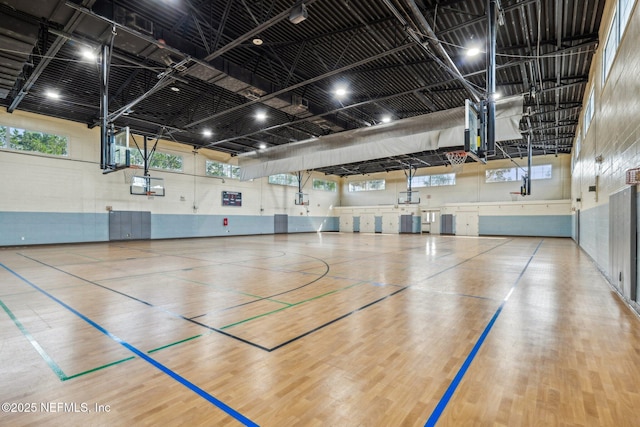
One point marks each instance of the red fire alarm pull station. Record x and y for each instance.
(225, 221)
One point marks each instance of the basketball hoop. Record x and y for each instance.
(457, 159)
(515, 196)
(130, 172)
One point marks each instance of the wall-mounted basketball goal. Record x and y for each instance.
(146, 186)
(301, 199)
(115, 150)
(408, 197)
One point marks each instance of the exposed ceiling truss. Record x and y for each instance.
(225, 61)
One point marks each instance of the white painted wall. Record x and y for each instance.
(470, 185)
(39, 183)
(611, 145)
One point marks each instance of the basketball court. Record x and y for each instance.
(315, 329)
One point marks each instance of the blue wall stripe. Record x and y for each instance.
(39, 228)
(227, 409)
(442, 404)
(526, 225)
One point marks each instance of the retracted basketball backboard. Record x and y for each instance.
(120, 156)
(472, 139)
(473, 135)
(147, 186)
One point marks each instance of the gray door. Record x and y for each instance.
(446, 224)
(576, 232)
(622, 241)
(129, 225)
(406, 223)
(281, 224)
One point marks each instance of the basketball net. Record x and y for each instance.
(457, 159)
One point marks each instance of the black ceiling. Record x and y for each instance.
(193, 66)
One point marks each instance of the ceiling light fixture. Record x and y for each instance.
(386, 119)
(257, 41)
(261, 115)
(473, 51)
(262, 146)
(88, 54)
(175, 89)
(52, 94)
(341, 92)
(207, 133)
(298, 13)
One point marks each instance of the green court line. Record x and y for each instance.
(174, 343)
(254, 317)
(117, 362)
(53, 365)
(291, 305)
(230, 290)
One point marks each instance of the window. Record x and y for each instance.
(516, 174)
(576, 150)
(501, 175)
(37, 142)
(324, 185)
(284, 179)
(624, 12)
(222, 169)
(159, 160)
(371, 185)
(588, 113)
(616, 30)
(610, 48)
(434, 180)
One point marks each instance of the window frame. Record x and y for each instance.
(517, 173)
(134, 160)
(6, 142)
(443, 180)
(228, 171)
(367, 185)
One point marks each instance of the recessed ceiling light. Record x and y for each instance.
(261, 115)
(52, 94)
(257, 41)
(207, 133)
(175, 89)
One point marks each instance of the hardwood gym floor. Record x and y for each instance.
(315, 330)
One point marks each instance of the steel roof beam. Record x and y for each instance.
(71, 25)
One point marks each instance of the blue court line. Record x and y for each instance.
(444, 400)
(221, 405)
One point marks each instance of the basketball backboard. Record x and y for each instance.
(408, 197)
(147, 186)
(472, 140)
(301, 199)
(120, 156)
